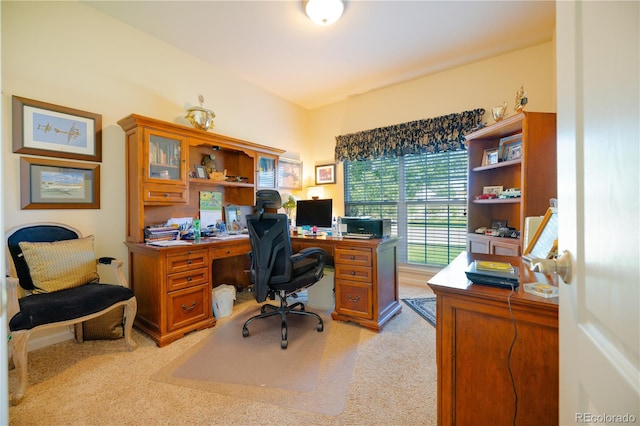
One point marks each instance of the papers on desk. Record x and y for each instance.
(169, 243)
(230, 237)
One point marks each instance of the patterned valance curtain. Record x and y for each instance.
(431, 135)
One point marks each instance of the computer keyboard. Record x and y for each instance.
(358, 236)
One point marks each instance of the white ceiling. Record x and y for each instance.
(273, 45)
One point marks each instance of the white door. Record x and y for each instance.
(598, 92)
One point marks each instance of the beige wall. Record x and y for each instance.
(481, 84)
(69, 54)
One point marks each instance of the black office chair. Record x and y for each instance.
(275, 271)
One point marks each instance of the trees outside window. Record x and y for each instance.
(424, 195)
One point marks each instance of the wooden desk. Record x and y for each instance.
(474, 333)
(366, 277)
(173, 285)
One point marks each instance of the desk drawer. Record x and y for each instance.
(165, 194)
(354, 299)
(232, 250)
(187, 279)
(298, 244)
(353, 256)
(187, 260)
(353, 273)
(188, 306)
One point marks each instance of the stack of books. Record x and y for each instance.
(160, 233)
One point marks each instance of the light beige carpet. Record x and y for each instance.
(312, 374)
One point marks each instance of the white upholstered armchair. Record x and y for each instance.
(52, 282)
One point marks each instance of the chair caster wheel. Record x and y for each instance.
(320, 327)
(284, 344)
(245, 332)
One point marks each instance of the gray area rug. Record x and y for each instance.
(424, 306)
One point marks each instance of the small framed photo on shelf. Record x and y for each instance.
(325, 174)
(490, 156)
(514, 152)
(495, 190)
(510, 148)
(201, 172)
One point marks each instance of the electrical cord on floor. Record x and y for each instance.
(513, 342)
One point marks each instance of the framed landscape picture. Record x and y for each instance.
(54, 184)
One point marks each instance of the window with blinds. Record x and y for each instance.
(423, 195)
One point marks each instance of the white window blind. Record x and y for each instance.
(423, 195)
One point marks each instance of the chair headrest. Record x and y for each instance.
(268, 199)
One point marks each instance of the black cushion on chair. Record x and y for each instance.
(47, 308)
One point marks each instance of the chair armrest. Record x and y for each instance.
(309, 251)
(116, 267)
(13, 307)
(320, 255)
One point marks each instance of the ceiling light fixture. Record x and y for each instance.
(324, 12)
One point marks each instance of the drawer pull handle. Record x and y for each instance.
(189, 262)
(188, 308)
(166, 195)
(228, 251)
(353, 257)
(353, 299)
(353, 272)
(189, 279)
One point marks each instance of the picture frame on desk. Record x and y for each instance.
(41, 128)
(544, 243)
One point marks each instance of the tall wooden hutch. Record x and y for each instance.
(173, 284)
(533, 172)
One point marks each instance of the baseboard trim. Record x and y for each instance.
(415, 275)
(49, 337)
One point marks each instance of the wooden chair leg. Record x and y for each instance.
(18, 345)
(130, 309)
(78, 331)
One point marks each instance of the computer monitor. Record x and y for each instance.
(314, 213)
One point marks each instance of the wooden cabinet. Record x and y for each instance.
(365, 278)
(366, 281)
(491, 245)
(533, 171)
(489, 341)
(160, 157)
(173, 290)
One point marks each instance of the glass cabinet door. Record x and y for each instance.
(266, 172)
(165, 158)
